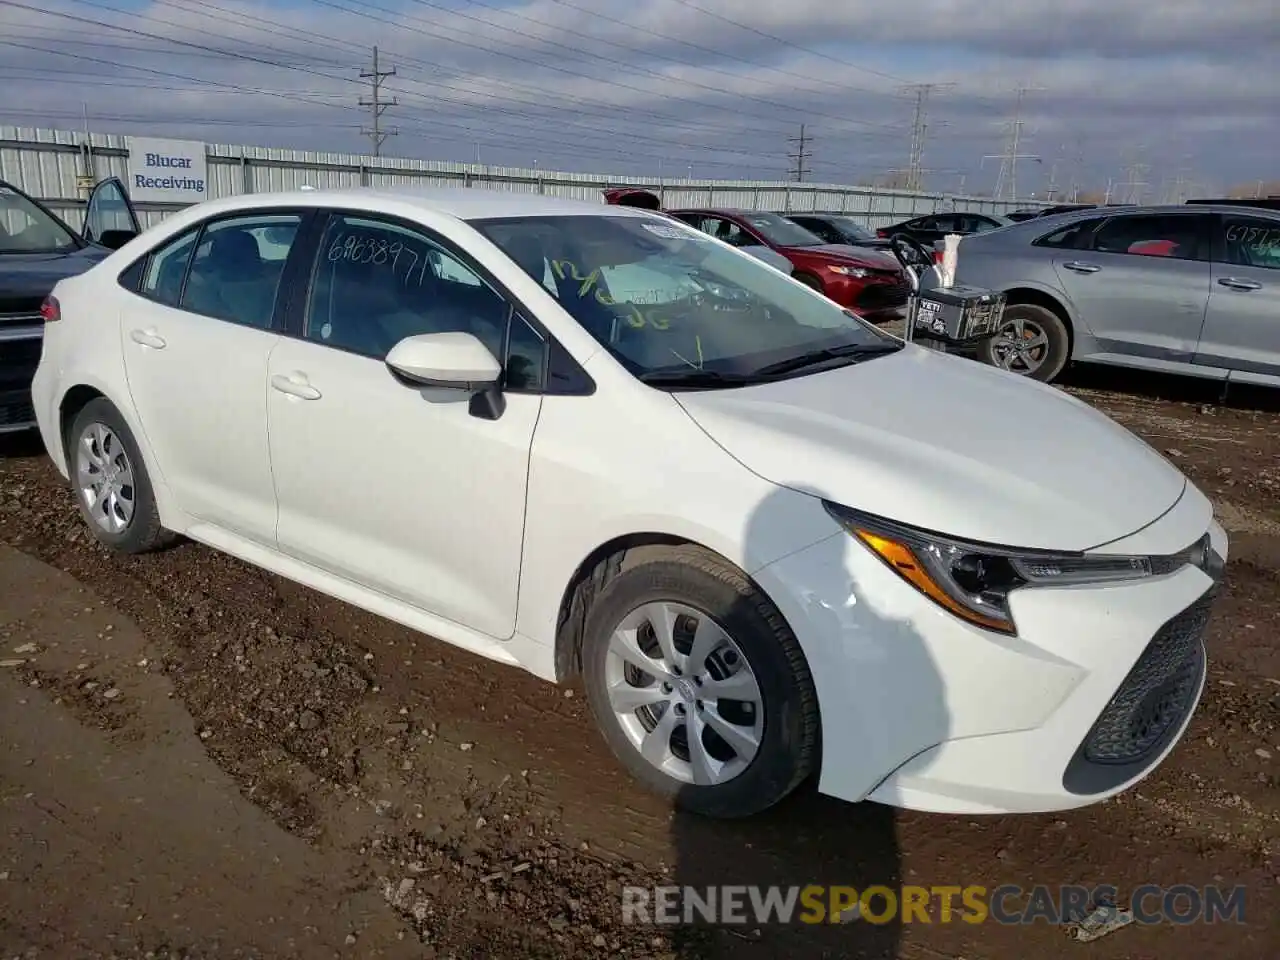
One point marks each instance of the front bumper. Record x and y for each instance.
(921, 710)
(867, 295)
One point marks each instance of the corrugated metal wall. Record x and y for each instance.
(47, 163)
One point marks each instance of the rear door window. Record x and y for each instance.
(1176, 236)
(1251, 241)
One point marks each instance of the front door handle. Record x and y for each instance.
(1079, 267)
(148, 338)
(295, 386)
(1235, 283)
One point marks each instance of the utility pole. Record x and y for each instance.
(801, 155)
(1008, 174)
(377, 104)
(919, 127)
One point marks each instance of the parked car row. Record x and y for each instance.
(748, 520)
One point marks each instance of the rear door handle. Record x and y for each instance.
(148, 338)
(1079, 267)
(295, 386)
(1235, 283)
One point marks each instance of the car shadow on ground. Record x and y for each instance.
(1169, 387)
(810, 840)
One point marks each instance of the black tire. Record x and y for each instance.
(810, 281)
(143, 532)
(790, 743)
(1056, 352)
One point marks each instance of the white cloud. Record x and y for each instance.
(713, 86)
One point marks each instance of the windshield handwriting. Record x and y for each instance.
(590, 284)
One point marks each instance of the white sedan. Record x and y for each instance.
(773, 541)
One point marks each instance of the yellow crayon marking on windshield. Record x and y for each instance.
(636, 318)
(587, 282)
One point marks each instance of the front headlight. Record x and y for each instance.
(974, 580)
(859, 272)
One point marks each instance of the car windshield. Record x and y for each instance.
(671, 303)
(781, 232)
(25, 228)
(852, 228)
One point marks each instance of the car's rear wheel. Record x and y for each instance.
(112, 487)
(1031, 341)
(698, 684)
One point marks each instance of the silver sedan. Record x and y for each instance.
(1181, 289)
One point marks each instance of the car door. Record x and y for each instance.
(1242, 325)
(401, 489)
(1140, 283)
(196, 339)
(109, 217)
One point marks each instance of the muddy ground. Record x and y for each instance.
(198, 759)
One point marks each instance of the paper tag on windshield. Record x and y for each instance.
(671, 232)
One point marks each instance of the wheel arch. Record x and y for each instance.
(809, 277)
(73, 401)
(607, 560)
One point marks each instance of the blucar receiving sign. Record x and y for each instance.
(167, 171)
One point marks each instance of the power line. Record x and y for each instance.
(377, 105)
(287, 60)
(801, 155)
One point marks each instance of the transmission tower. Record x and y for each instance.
(801, 155)
(919, 127)
(1134, 177)
(377, 104)
(1008, 175)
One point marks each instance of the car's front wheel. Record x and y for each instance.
(1032, 341)
(698, 684)
(112, 487)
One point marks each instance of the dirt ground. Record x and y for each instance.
(198, 759)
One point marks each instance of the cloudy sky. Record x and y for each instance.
(1159, 92)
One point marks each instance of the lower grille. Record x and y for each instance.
(16, 411)
(883, 296)
(1157, 694)
(18, 362)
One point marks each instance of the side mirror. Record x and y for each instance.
(115, 239)
(451, 361)
(448, 361)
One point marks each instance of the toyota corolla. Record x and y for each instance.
(772, 541)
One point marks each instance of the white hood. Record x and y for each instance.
(949, 445)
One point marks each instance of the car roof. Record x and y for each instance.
(725, 211)
(1040, 226)
(464, 203)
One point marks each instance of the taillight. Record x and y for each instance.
(882, 234)
(51, 310)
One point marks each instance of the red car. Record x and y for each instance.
(868, 282)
